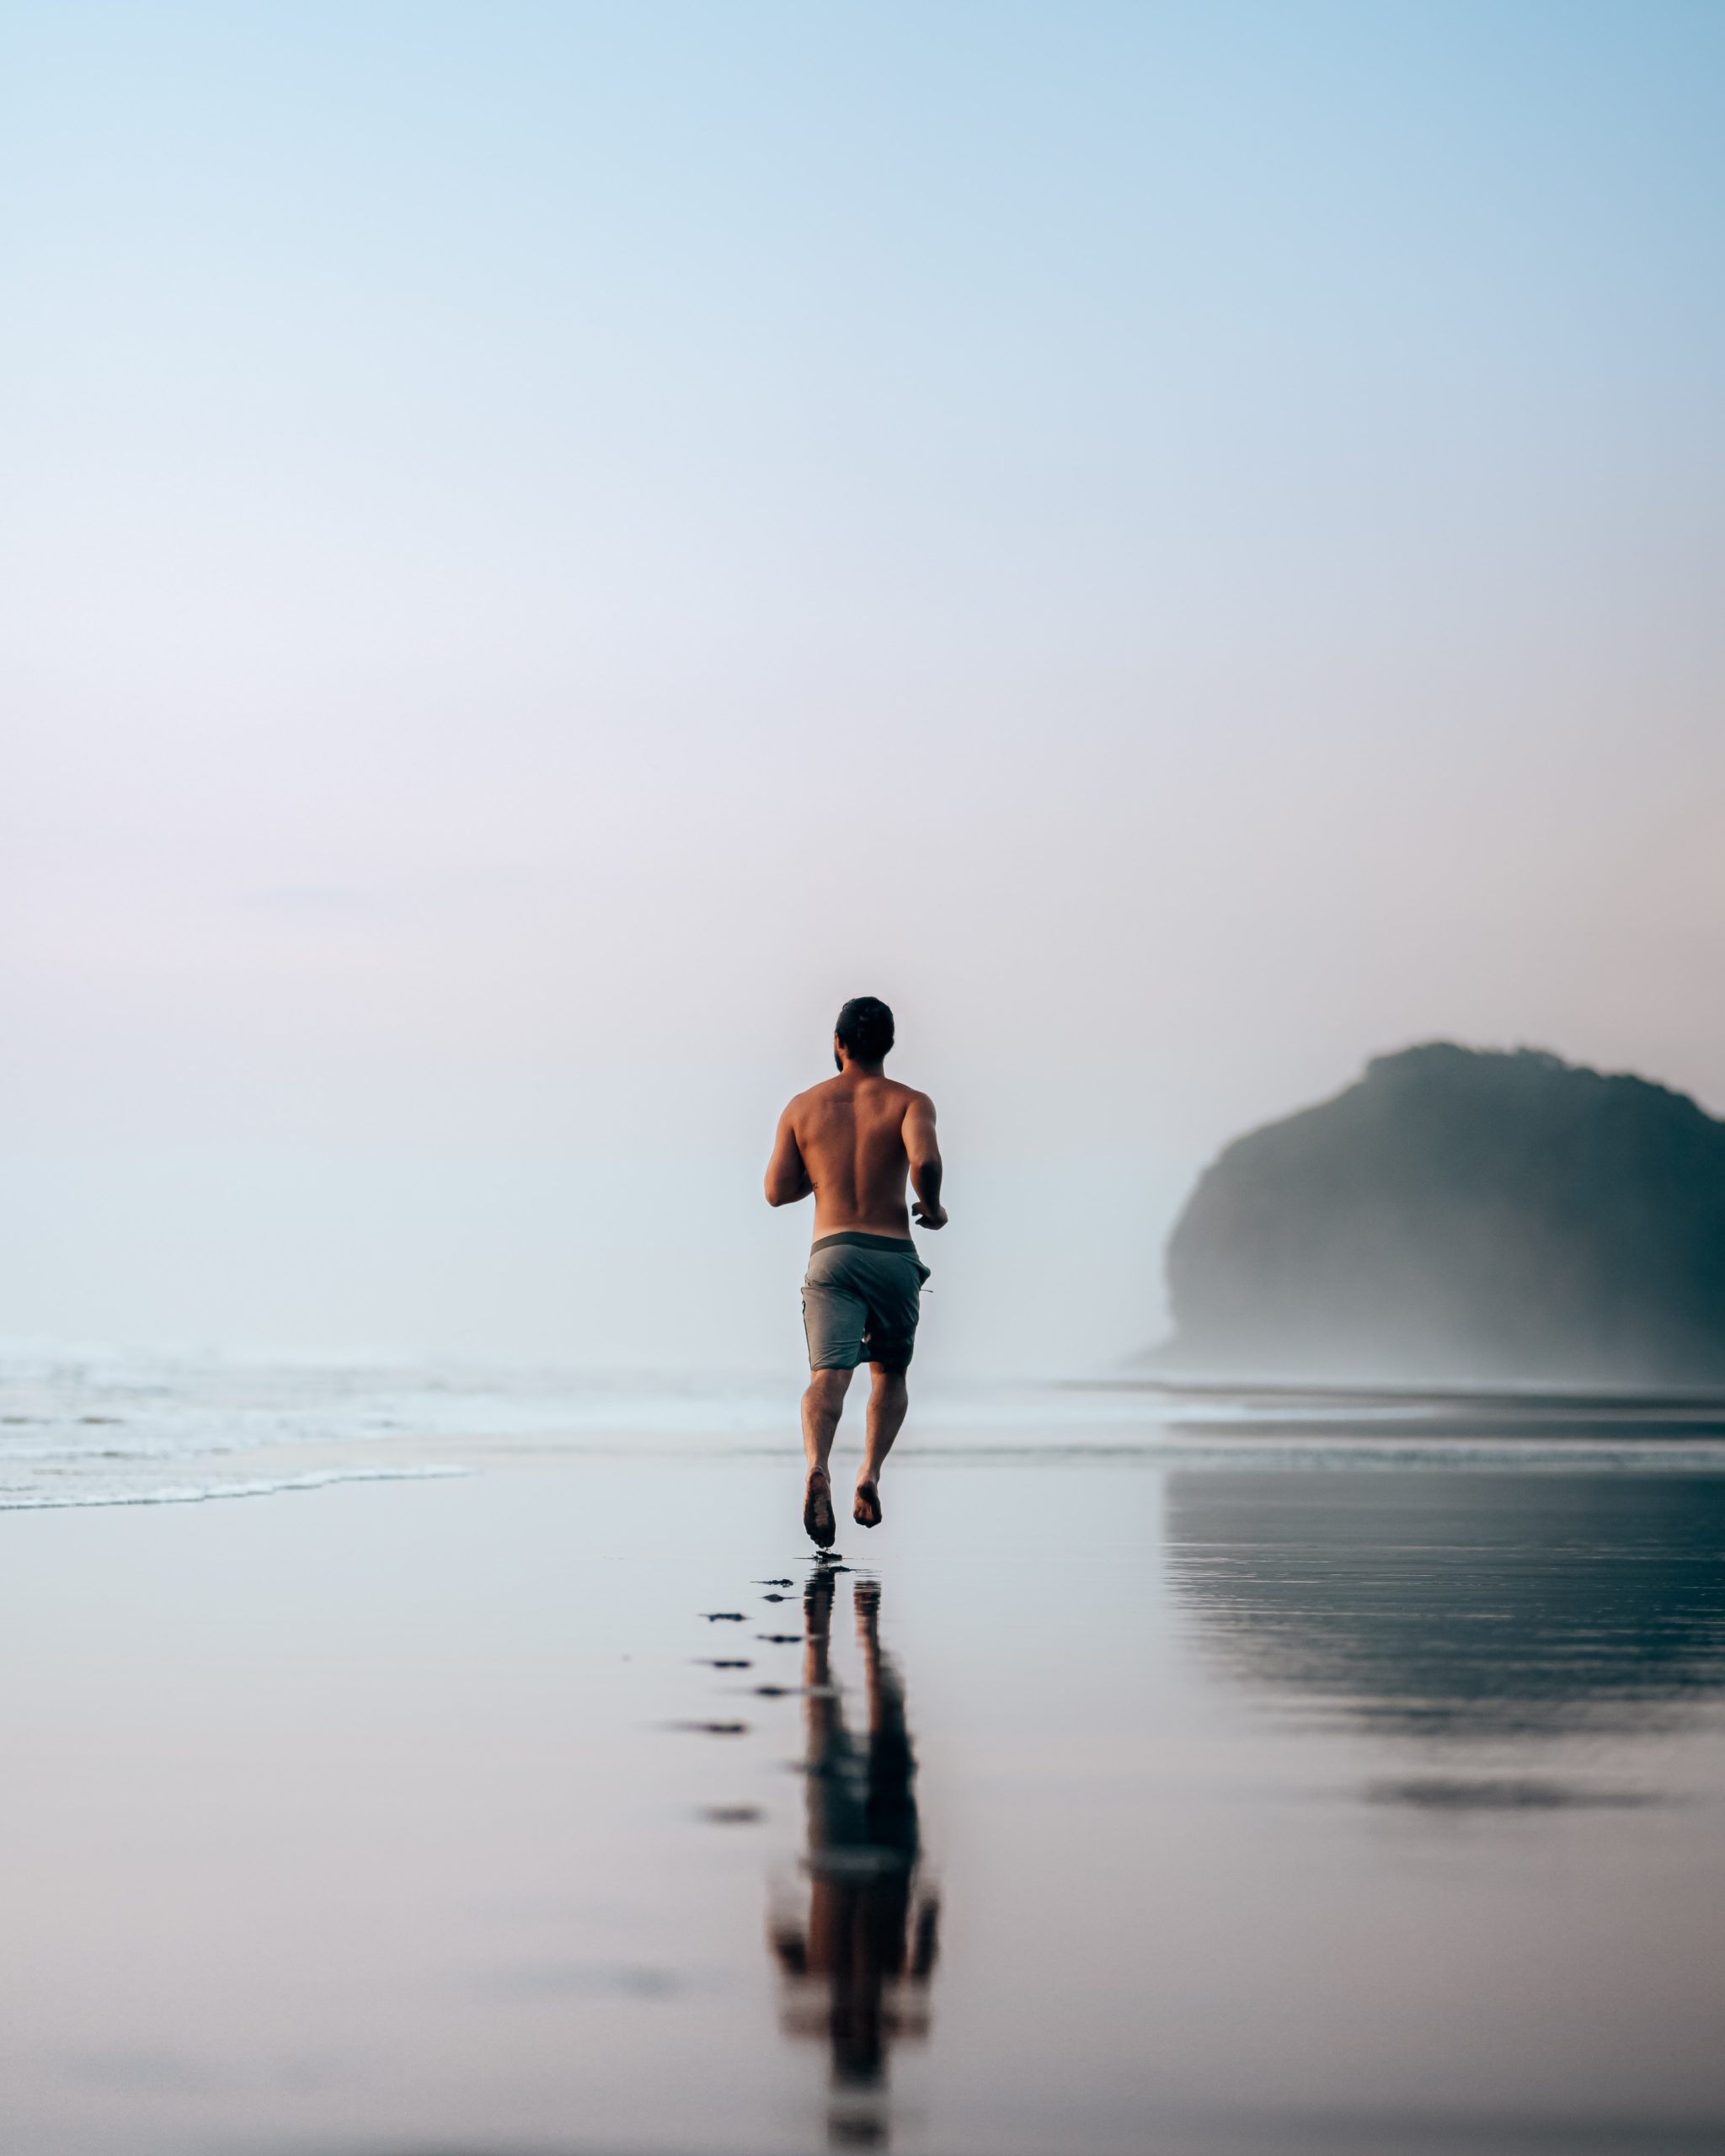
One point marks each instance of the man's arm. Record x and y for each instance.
(922, 1148)
(787, 1176)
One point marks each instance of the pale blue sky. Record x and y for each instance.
(545, 546)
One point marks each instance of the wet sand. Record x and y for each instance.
(1097, 1804)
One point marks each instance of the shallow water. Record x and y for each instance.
(1108, 1799)
(106, 1428)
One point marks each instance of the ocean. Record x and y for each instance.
(102, 1426)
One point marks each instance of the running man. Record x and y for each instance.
(852, 1141)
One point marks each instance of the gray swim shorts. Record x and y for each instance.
(861, 1297)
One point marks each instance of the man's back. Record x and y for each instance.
(857, 1134)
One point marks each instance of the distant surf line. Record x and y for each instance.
(276, 1486)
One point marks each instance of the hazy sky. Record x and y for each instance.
(544, 546)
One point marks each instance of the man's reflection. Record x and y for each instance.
(858, 1965)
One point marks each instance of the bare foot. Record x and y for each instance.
(866, 1511)
(817, 1509)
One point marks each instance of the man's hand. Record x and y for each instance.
(922, 1148)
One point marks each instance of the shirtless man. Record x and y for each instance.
(852, 1141)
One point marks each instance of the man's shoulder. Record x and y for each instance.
(827, 1091)
(812, 1096)
(898, 1099)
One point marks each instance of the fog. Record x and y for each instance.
(546, 546)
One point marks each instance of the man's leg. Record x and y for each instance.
(823, 1404)
(888, 1400)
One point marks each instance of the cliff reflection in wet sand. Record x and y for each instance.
(857, 1962)
(1491, 1607)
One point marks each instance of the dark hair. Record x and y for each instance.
(865, 1028)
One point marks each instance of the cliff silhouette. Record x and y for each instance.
(1458, 1215)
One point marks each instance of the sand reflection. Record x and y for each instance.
(856, 1943)
(1461, 1606)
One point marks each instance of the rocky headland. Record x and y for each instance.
(1459, 1215)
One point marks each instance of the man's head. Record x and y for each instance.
(864, 1030)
